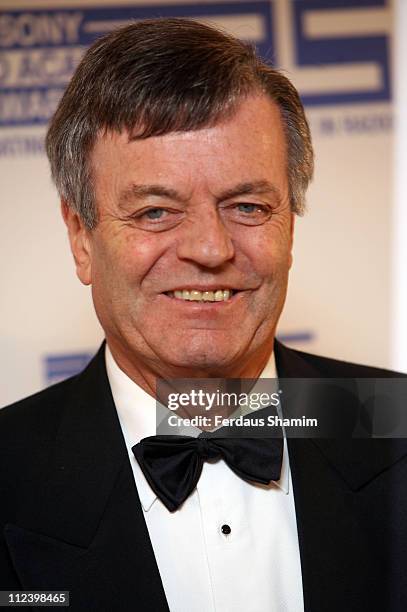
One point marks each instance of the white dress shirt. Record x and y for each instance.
(256, 567)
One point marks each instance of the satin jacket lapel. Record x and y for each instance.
(341, 504)
(86, 531)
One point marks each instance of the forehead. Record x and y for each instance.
(250, 142)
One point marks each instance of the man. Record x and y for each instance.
(181, 160)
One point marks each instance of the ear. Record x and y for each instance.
(292, 237)
(79, 238)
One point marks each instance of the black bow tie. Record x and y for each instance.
(172, 465)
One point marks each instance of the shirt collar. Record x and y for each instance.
(136, 410)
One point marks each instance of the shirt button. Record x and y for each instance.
(225, 529)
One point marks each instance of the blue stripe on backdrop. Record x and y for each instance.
(299, 336)
(61, 366)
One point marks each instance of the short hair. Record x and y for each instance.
(158, 76)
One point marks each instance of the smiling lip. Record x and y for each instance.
(202, 295)
(203, 306)
(201, 287)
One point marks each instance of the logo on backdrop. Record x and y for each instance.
(334, 55)
(343, 50)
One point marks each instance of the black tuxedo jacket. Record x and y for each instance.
(71, 519)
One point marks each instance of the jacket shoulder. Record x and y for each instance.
(295, 363)
(28, 430)
(34, 416)
(338, 368)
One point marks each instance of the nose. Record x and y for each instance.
(205, 240)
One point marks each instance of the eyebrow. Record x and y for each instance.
(246, 188)
(255, 187)
(142, 191)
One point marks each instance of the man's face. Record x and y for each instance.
(203, 214)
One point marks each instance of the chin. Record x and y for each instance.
(201, 364)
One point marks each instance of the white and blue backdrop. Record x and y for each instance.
(343, 289)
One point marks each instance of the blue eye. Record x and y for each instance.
(246, 213)
(247, 208)
(154, 213)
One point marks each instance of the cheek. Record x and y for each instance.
(129, 257)
(266, 251)
(111, 266)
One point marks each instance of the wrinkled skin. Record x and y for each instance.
(218, 216)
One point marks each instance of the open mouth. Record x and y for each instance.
(194, 295)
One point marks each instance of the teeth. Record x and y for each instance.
(194, 295)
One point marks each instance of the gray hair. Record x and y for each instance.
(158, 76)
